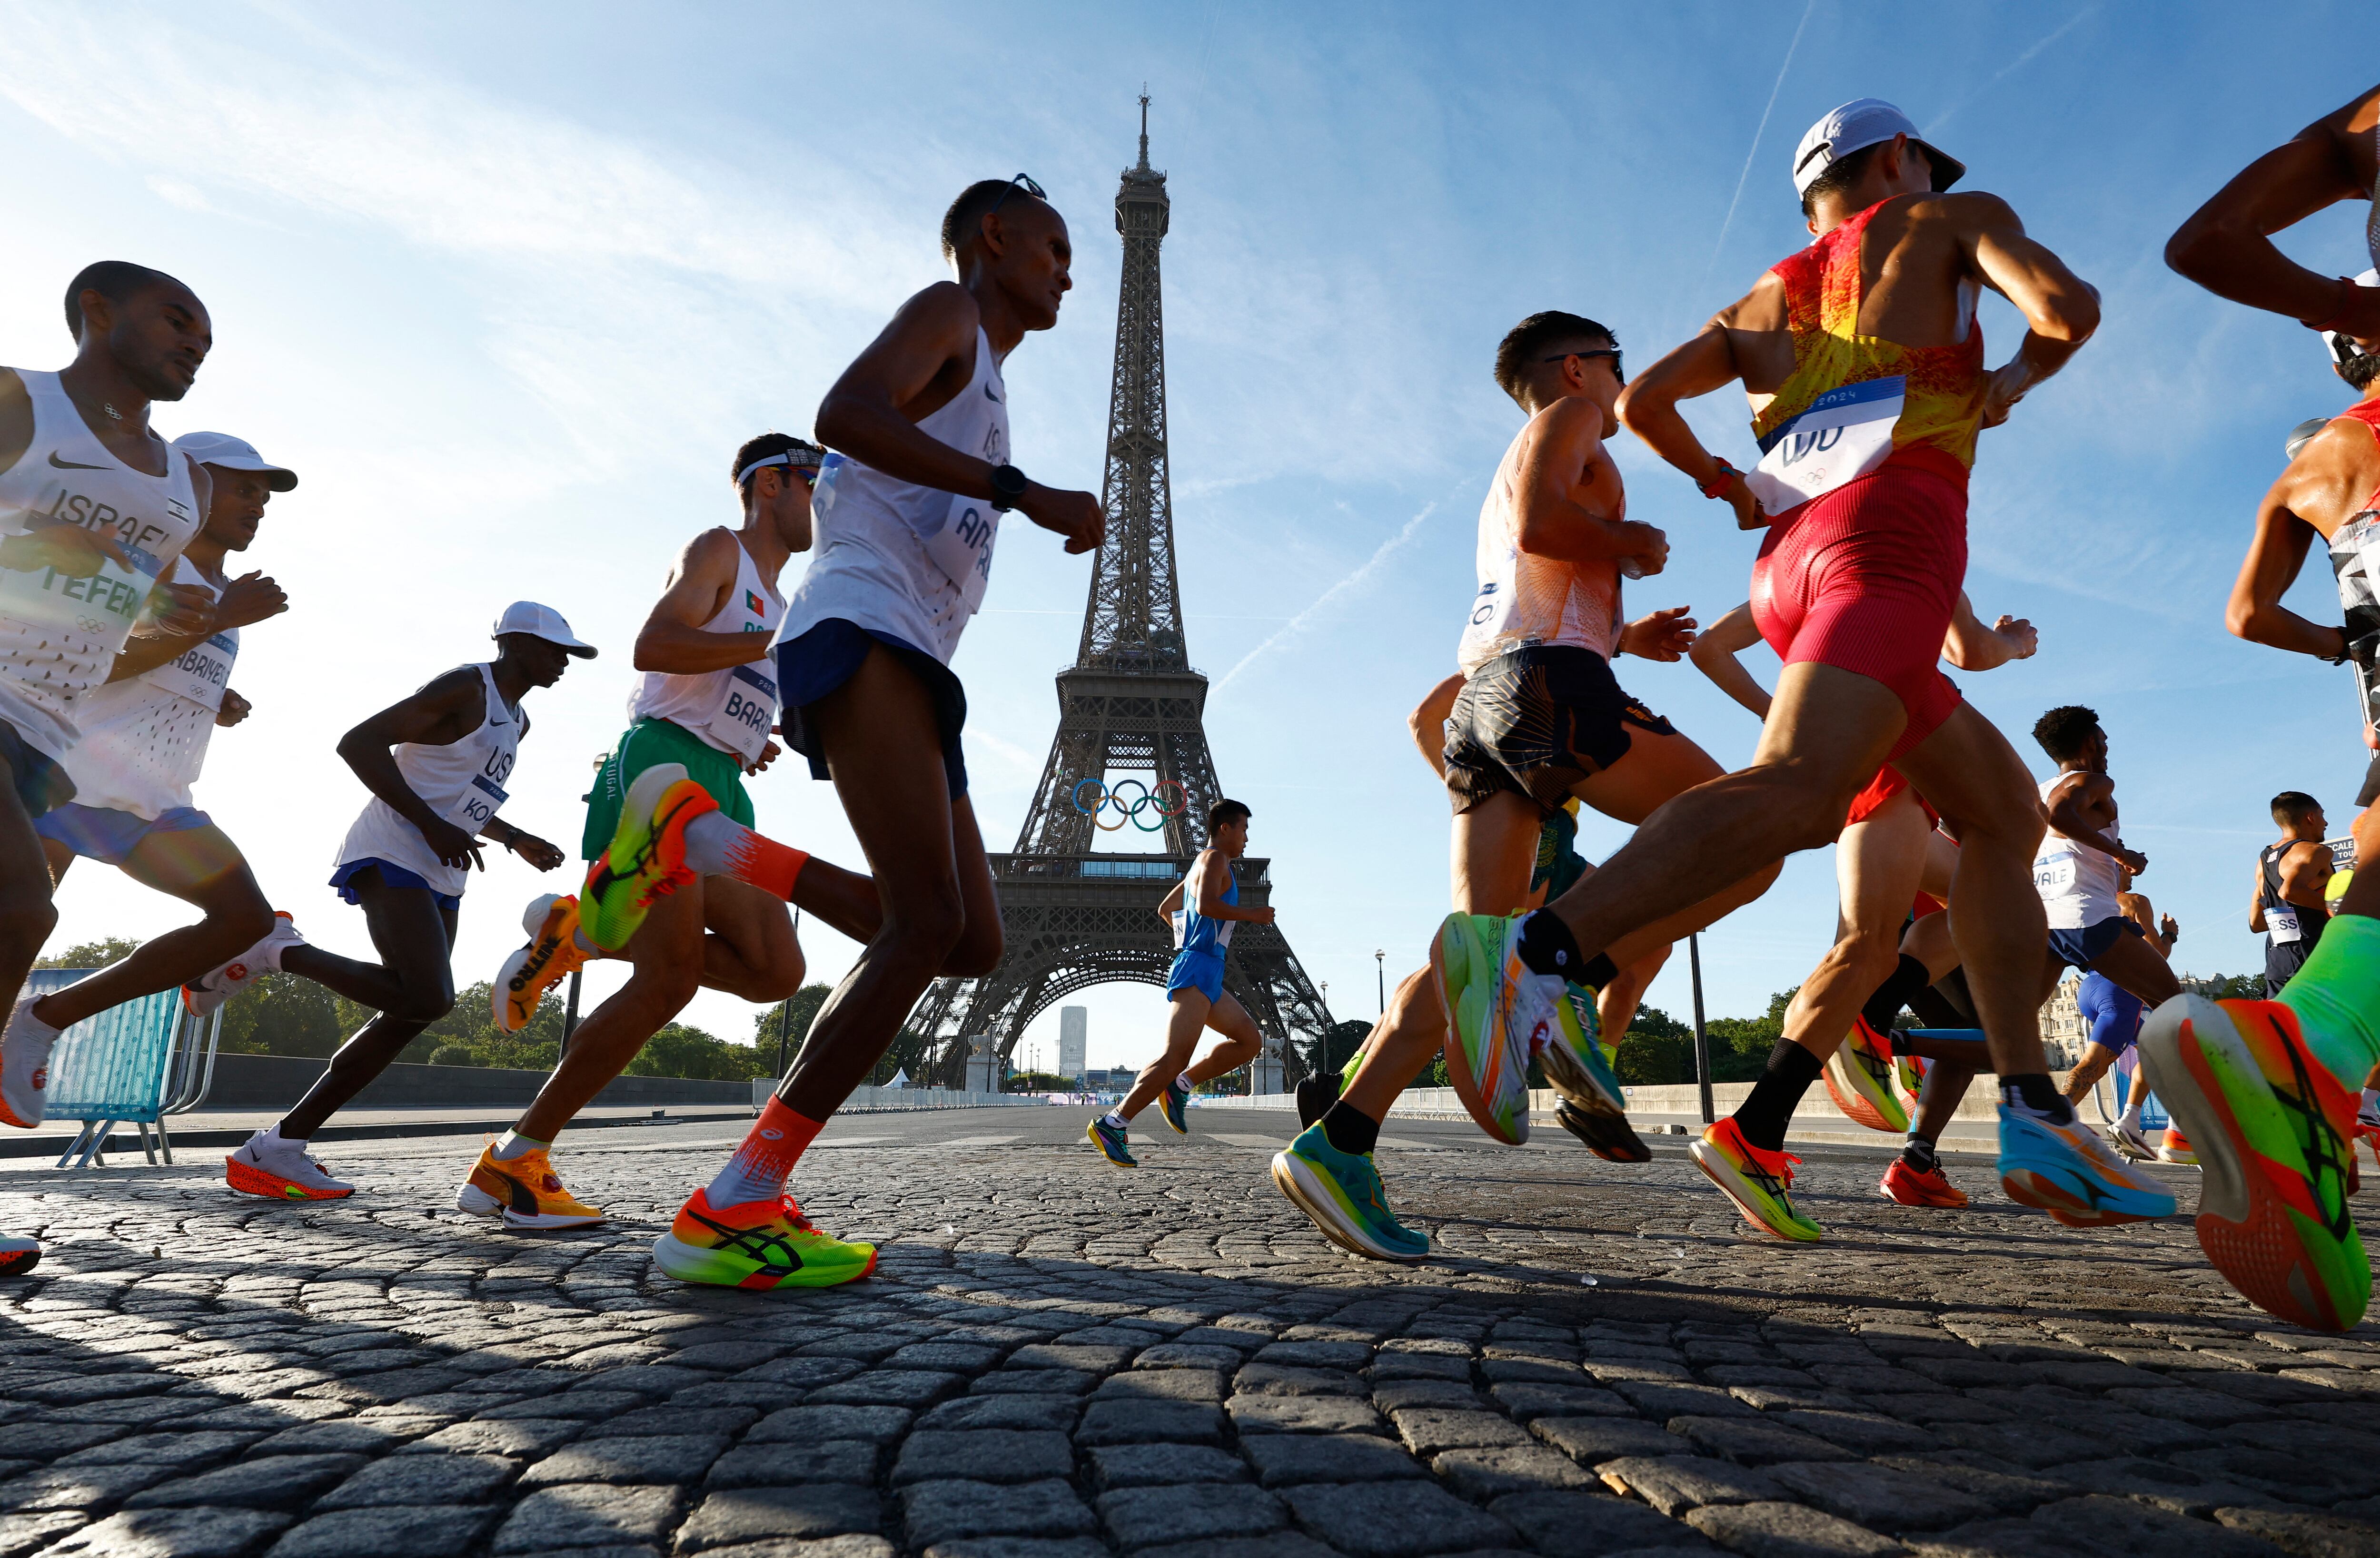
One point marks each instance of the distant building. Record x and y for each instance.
(2064, 1033)
(1074, 1040)
(1120, 1080)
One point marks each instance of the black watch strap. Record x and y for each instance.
(1008, 486)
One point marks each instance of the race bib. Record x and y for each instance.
(1490, 608)
(202, 672)
(2053, 874)
(961, 547)
(1845, 434)
(746, 709)
(478, 805)
(2282, 924)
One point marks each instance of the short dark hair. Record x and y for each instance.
(760, 448)
(2359, 369)
(1223, 812)
(964, 221)
(115, 280)
(2293, 806)
(1842, 173)
(1526, 342)
(2065, 734)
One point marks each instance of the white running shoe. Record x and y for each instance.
(283, 1172)
(2127, 1139)
(25, 1067)
(205, 996)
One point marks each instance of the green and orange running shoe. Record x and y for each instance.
(1341, 1192)
(1758, 1181)
(1859, 1079)
(2274, 1132)
(646, 860)
(2070, 1172)
(1499, 1014)
(760, 1244)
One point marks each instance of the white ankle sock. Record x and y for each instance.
(512, 1144)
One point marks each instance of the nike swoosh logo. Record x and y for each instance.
(72, 465)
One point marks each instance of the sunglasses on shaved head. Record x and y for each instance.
(1024, 182)
(1612, 352)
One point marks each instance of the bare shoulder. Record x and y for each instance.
(16, 418)
(449, 688)
(944, 307)
(708, 552)
(1969, 211)
(1574, 420)
(1762, 308)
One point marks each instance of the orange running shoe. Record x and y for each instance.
(287, 1174)
(2176, 1148)
(1933, 1188)
(1859, 1079)
(525, 1191)
(1760, 1182)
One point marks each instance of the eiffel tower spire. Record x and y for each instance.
(1130, 721)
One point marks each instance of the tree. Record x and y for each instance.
(1338, 1046)
(793, 1018)
(282, 1014)
(91, 954)
(680, 1051)
(1656, 1051)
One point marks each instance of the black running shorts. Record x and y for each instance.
(1539, 721)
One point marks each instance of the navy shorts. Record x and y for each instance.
(2079, 949)
(103, 833)
(40, 783)
(829, 655)
(390, 877)
(1202, 971)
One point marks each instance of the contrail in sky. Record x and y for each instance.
(1774, 89)
(2011, 67)
(1353, 582)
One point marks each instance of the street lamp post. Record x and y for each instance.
(1701, 1034)
(1380, 967)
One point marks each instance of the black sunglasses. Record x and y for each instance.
(1024, 182)
(1612, 352)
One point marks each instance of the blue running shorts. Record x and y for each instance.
(1202, 971)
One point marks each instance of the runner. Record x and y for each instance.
(1837, 1026)
(1540, 719)
(436, 764)
(1203, 907)
(907, 510)
(144, 739)
(2115, 1015)
(2287, 905)
(1863, 358)
(94, 507)
(2082, 869)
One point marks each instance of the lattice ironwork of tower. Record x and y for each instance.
(1130, 704)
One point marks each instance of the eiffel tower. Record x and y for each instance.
(1130, 707)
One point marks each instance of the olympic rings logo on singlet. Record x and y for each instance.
(1843, 435)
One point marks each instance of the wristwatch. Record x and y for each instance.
(1008, 486)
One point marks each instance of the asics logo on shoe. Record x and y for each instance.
(772, 1136)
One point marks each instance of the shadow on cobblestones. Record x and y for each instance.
(1054, 1364)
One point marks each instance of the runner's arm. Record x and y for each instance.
(527, 845)
(1666, 636)
(439, 715)
(864, 414)
(2226, 247)
(1648, 407)
(2065, 814)
(1172, 901)
(673, 639)
(1562, 443)
(1714, 653)
(2304, 873)
(2061, 309)
(1971, 646)
(2256, 902)
(1211, 894)
(1427, 721)
(249, 599)
(234, 709)
(2317, 479)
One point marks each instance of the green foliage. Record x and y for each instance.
(1036, 1082)
(680, 1051)
(1338, 1045)
(2236, 988)
(282, 1014)
(1659, 1050)
(793, 1018)
(91, 954)
(471, 1029)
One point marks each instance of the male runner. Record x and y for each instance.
(1888, 856)
(1540, 719)
(2083, 866)
(94, 507)
(907, 509)
(1202, 908)
(2287, 905)
(436, 763)
(2115, 1015)
(144, 739)
(1864, 359)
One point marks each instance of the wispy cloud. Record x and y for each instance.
(2011, 67)
(1354, 581)
(1770, 108)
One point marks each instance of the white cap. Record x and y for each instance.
(1860, 123)
(235, 454)
(542, 621)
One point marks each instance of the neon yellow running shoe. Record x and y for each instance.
(1859, 1079)
(1499, 1014)
(760, 1244)
(646, 860)
(1757, 1181)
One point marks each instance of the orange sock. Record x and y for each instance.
(760, 1168)
(717, 845)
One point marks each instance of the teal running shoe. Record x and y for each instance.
(1174, 1103)
(1113, 1143)
(1341, 1192)
(2069, 1173)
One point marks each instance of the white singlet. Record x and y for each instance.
(144, 738)
(2077, 883)
(730, 709)
(901, 559)
(463, 782)
(1524, 599)
(59, 636)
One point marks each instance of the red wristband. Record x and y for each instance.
(1717, 486)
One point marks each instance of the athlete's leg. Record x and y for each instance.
(414, 936)
(1493, 848)
(27, 916)
(201, 867)
(1240, 1044)
(667, 959)
(749, 950)
(1657, 768)
(1183, 1026)
(1878, 864)
(2134, 967)
(1615, 1003)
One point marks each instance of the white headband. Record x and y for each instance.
(783, 457)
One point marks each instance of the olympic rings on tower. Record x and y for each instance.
(1105, 797)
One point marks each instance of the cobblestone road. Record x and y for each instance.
(1060, 1360)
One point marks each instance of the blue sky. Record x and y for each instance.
(508, 285)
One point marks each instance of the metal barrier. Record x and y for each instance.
(134, 1064)
(874, 1100)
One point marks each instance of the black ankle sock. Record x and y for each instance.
(1763, 1117)
(1349, 1129)
(2037, 1093)
(1598, 974)
(1547, 945)
(1893, 994)
(1918, 1153)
